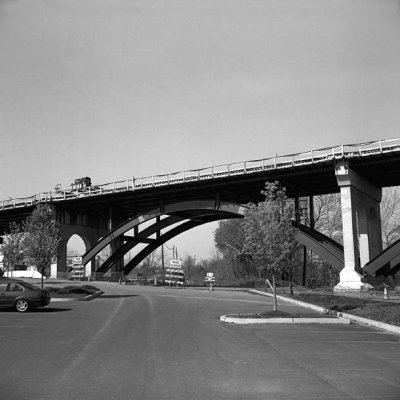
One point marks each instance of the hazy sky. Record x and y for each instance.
(112, 89)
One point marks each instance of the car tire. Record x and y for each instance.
(21, 305)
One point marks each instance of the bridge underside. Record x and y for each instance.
(357, 172)
(155, 227)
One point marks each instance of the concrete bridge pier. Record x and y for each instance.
(362, 238)
(118, 265)
(89, 230)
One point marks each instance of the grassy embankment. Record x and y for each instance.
(384, 311)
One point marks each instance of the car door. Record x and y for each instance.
(13, 291)
(4, 299)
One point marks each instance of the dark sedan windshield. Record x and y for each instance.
(29, 286)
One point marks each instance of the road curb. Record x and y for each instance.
(85, 298)
(235, 319)
(351, 317)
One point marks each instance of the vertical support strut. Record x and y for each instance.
(362, 238)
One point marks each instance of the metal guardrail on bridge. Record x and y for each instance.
(240, 168)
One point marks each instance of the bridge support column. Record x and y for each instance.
(89, 236)
(362, 239)
(118, 266)
(61, 271)
(90, 230)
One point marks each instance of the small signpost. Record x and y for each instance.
(210, 279)
(77, 268)
(174, 275)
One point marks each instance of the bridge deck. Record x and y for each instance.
(303, 174)
(276, 163)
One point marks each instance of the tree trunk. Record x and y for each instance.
(304, 265)
(275, 300)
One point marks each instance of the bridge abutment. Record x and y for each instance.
(362, 239)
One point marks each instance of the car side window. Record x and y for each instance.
(3, 287)
(13, 287)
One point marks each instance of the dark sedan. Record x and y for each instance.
(22, 296)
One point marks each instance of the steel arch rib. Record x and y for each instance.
(164, 238)
(129, 245)
(204, 217)
(223, 207)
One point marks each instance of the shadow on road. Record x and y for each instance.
(49, 310)
(35, 310)
(116, 296)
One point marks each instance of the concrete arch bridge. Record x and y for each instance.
(149, 211)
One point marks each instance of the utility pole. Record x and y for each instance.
(162, 264)
(194, 265)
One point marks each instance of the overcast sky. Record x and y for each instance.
(115, 88)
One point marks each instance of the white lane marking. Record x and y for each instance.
(82, 355)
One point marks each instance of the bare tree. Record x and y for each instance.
(390, 215)
(151, 265)
(328, 216)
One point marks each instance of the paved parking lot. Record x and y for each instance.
(154, 343)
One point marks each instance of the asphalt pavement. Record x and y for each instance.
(139, 342)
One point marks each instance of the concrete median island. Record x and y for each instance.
(242, 319)
(325, 312)
(282, 317)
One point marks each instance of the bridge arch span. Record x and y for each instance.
(79, 239)
(148, 227)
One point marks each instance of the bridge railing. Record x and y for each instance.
(214, 172)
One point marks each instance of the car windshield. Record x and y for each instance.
(29, 286)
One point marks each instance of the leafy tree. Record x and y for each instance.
(268, 230)
(13, 247)
(42, 237)
(229, 239)
(220, 266)
(269, 235)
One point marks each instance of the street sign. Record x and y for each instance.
(210, 277)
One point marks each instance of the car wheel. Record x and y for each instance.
(21, 305)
